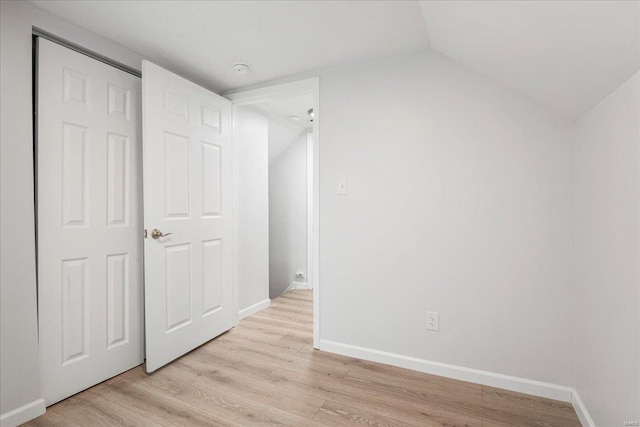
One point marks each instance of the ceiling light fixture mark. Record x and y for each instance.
(240, 68)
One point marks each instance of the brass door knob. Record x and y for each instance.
(156, 234)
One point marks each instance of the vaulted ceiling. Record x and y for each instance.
(566, 55)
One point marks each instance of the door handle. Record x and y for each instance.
(156, 234)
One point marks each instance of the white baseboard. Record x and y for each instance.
(295, 285)
(521, 385)
(23, 414)
(581, 410)
(254, 308)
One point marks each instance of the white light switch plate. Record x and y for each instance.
(342, 187)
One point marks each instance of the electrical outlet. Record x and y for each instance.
(433, 321)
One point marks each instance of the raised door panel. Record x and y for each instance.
(119, 102)
(178, 286)
(211, 179)
(210, 118)
(76, 88)
(117, 300)
(75, 310)
(175, 105)
(118, 179)
(211, 276)
(74, 169)
(176, 176)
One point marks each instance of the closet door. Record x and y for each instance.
(89, 221)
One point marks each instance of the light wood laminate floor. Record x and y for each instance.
(265, 372)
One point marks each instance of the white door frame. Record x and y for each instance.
(254, 96)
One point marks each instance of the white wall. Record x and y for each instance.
(607, 259)
(460, 201)
(288, 217)
(20, 367)
(251, 148)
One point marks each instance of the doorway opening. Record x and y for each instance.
(276, 133)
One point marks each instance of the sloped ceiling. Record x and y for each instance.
(281, 135)
(288, 105)
(202, 39)
(283, 131)
(567, 55)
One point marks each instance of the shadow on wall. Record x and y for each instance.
(288, 219)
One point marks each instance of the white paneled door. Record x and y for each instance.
(89, 205)
(187, 215)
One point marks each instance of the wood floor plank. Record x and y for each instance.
(238, 408)
(403, 378)
(265, 372)
(285, 316)
(367, 399)
(80, 408)
(126, 416)
(486, 410)
(230, 374)
(54, 417)
(520, 400)
(299, 295)
(257, 339)
(162, 408)
(274, 329)
(259, 389)
(285, 323)
(265, 358)
(339, 415)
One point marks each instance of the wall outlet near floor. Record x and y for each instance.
(433, 321)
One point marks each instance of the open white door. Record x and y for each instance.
(187, 197)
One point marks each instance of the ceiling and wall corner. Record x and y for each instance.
(567, 55)
(201, 40)
(607, 256)
(288, 119)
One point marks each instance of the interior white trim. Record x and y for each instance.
(23, 414)
(252, 309)
(87, 52)
(296, 285)
(234, 218)
(310, 214)
(493, 379)
(581, 410)
(251, 96)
